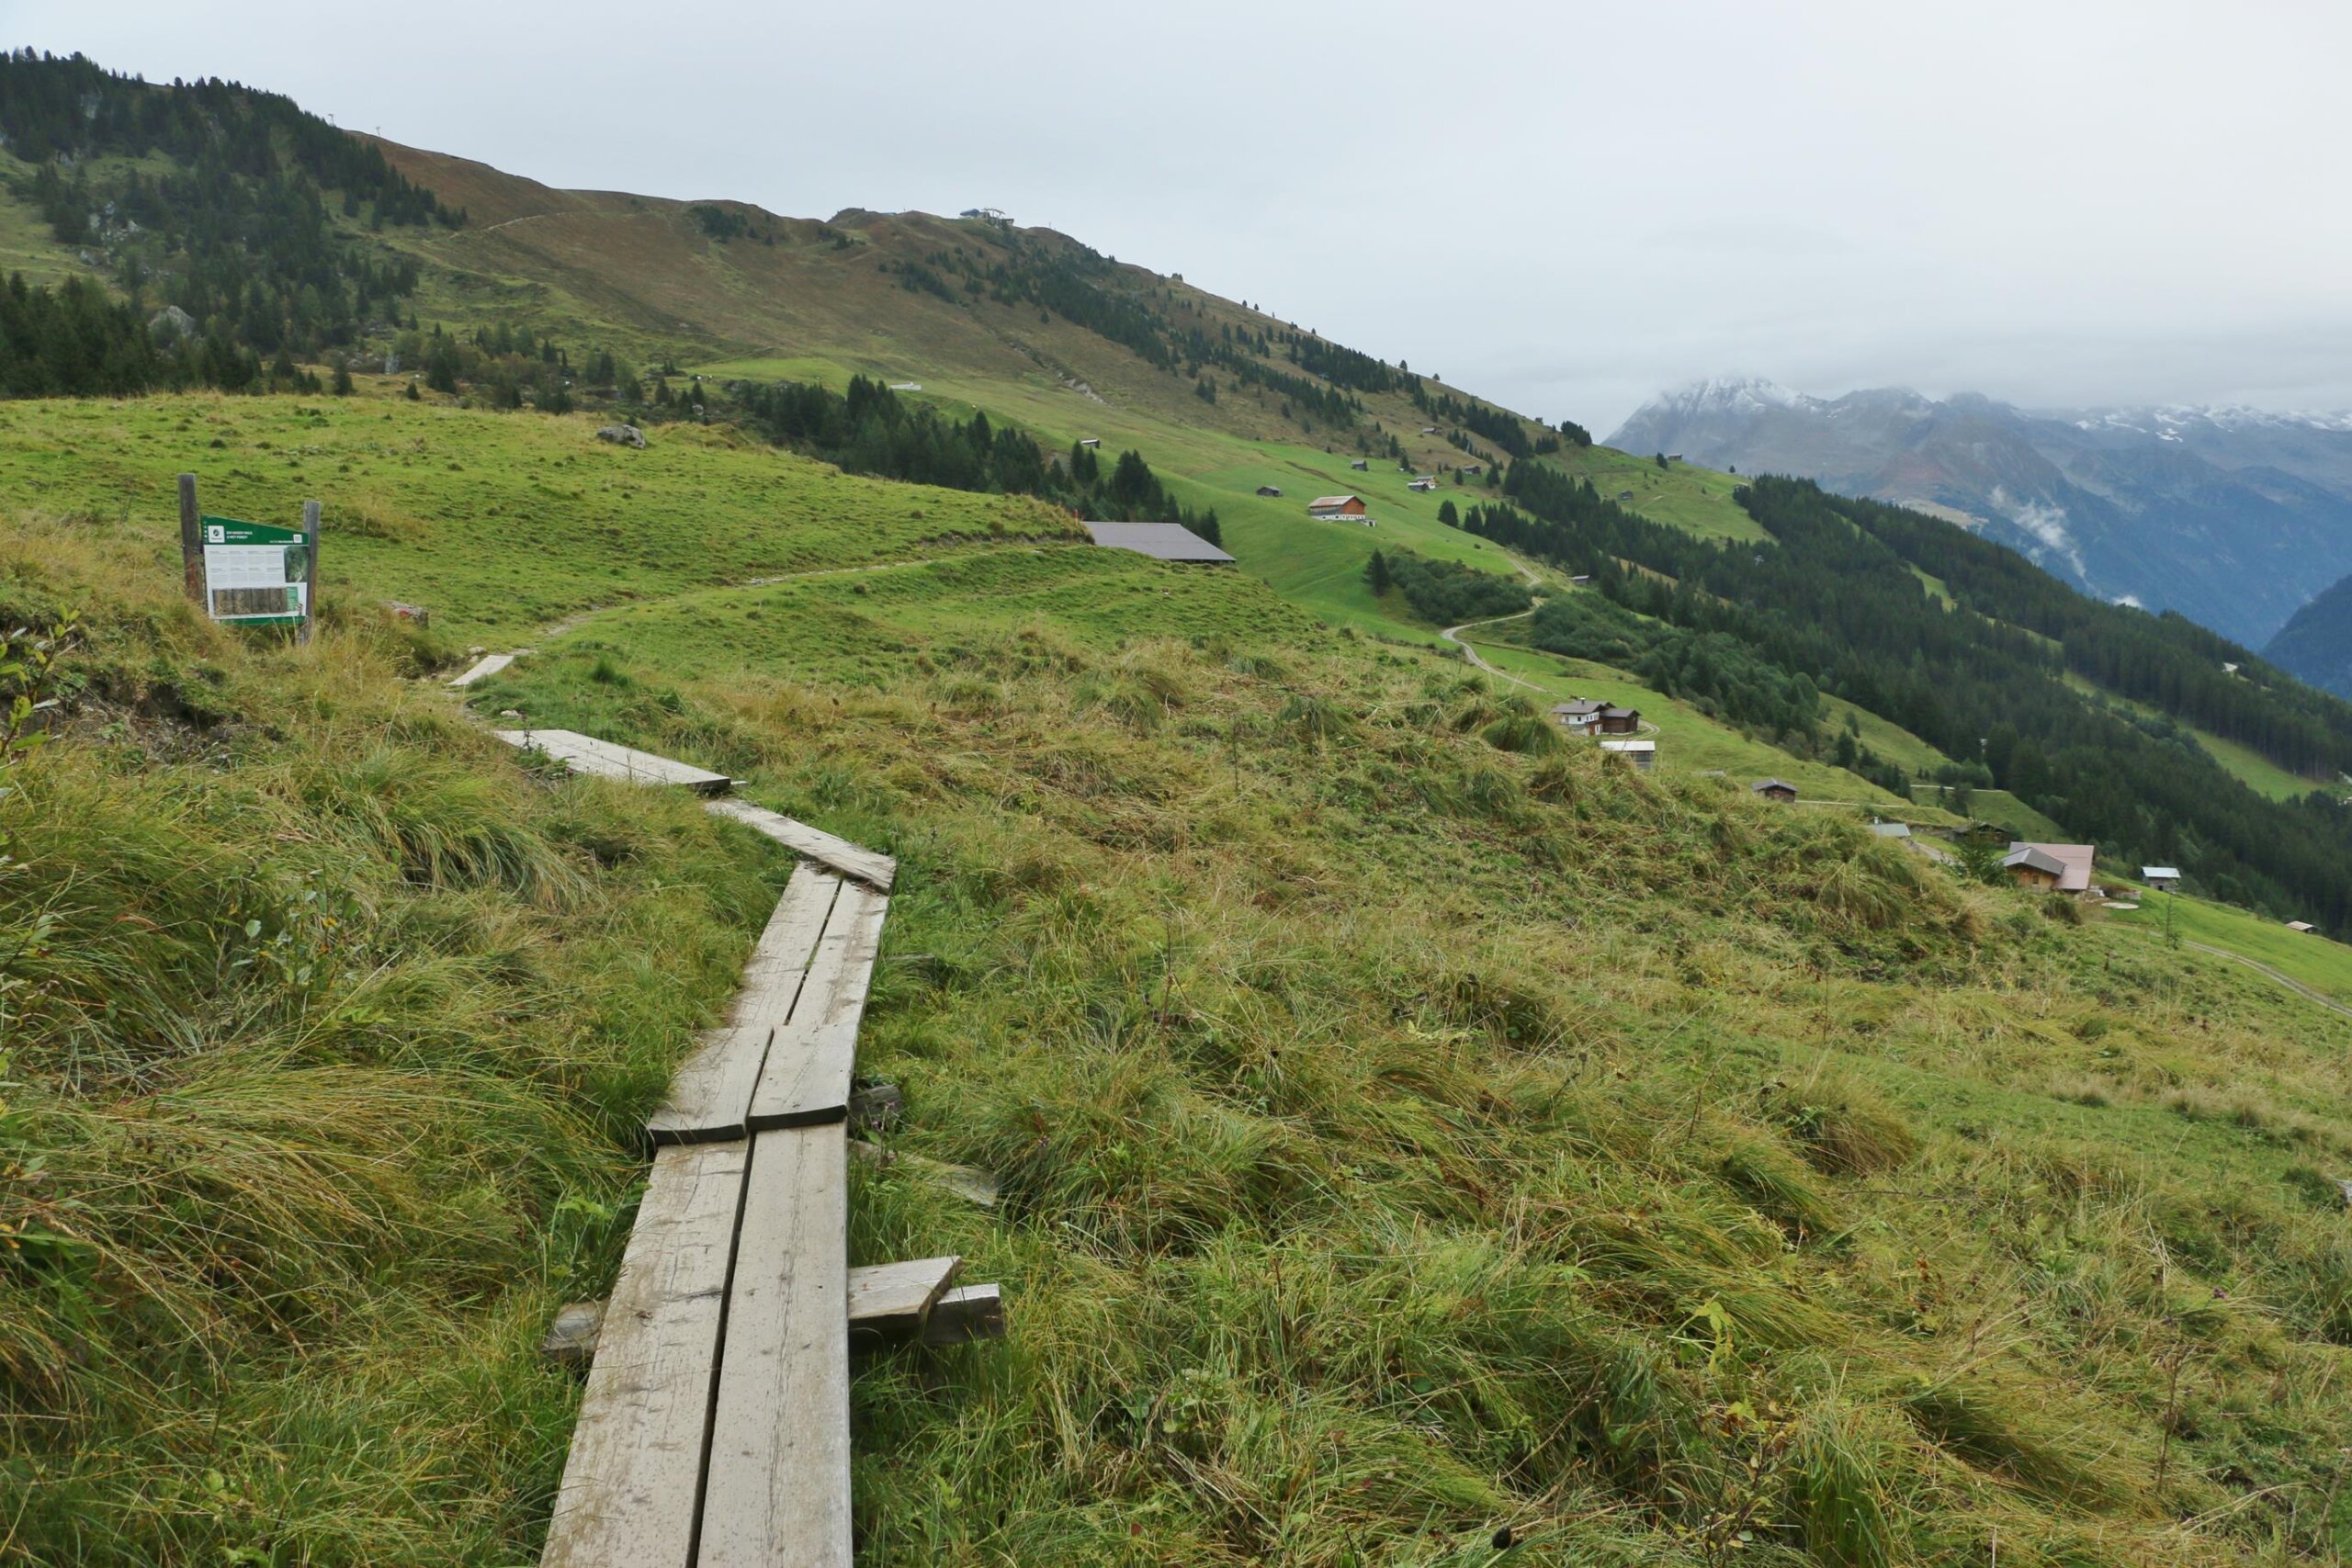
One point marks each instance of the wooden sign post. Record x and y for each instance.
(249, 573)
(310, 570)
(191, 540)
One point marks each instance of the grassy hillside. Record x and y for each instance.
(1194, 1101)
(492, 524)
(2312, 959)
(1405, 1138)
(325, 1031)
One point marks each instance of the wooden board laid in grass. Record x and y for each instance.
(637, 1452)
(779, 962)
(848, 859)
(778, 1484)
(710, 1095)
(966, 1314)
(892, 1301)
(483, 669)
(811, 1057)
(586, 754)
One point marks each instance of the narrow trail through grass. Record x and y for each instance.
(2309, 993)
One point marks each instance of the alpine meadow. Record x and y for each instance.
(1422, 1096)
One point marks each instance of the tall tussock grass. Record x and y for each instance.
(1412, 1142)
(1417, 1143)
(321, 1034)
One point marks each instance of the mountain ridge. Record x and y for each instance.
(2232, 516)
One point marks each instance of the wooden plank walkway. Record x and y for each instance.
(586, 754)
(489, 664)
(630, 1484)
(865, 865)
(778, 1484)
(812, 1055)
(714, 1432)
(710, 1096)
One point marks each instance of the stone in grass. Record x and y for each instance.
(876, 1108)
(621, 435)
(571, 1341)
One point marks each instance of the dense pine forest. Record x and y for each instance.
(234, 259)
(869, 430)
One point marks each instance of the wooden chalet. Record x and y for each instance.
(2033, 867)
(2074, 859)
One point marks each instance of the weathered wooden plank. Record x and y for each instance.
(710, 1096)
(890, 1300)
(636, 1465)
(778, 1485)
(586, 754)
(772, 977)
(966, 1314)
(489, 664)
(866, 866)
(811, 1058)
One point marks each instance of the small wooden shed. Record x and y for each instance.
(2034, 867)
(1774, 789)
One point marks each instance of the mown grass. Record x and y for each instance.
(325, 1032)
(495, 524)
(1406, 1140)
(2316, 960)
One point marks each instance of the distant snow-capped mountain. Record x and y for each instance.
(2235, 516)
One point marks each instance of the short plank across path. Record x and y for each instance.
(483, 669)
(586, 754)
(604, 759)
(714, 1431)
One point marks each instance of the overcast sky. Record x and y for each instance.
(1565, 206)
